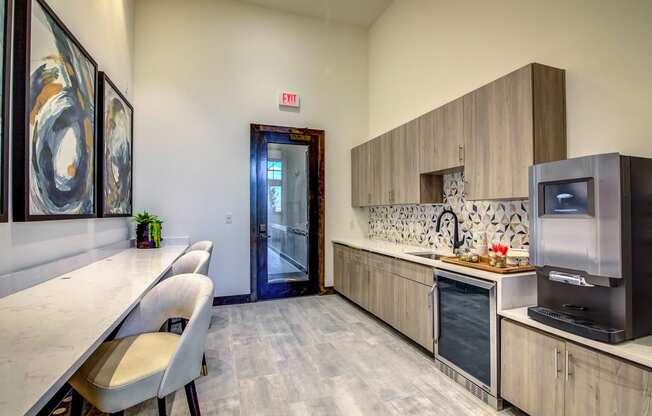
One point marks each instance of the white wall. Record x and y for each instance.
(205, 70)
(423, 53)
(105, 28)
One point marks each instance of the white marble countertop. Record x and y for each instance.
(638, 351)
(400, 251)
(49, 330)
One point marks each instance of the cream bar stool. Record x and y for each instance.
(142, 363)
(192, 262)
(205, 245)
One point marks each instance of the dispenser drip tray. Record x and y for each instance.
(576, 325)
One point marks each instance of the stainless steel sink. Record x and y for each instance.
(426, 255)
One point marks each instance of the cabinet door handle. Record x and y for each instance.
(568, 362)
(431, 298)
(556, 362)
(461, 153)
(435, 313)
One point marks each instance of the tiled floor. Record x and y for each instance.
(317, 356)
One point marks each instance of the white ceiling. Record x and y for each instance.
(358, 12)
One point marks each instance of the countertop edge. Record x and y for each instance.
(638, 351)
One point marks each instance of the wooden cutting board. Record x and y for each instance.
(483, 264)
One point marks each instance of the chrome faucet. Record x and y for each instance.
(455, 238)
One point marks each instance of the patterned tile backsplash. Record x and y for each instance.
(504, 221)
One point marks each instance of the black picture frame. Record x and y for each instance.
(6, 97)
(21, 113)
(104, 82)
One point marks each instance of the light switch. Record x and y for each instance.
(229, 218)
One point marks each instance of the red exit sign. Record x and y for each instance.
(289, 99)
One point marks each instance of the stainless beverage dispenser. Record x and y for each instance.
(591, 244)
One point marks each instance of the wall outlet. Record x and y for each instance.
(228, 219)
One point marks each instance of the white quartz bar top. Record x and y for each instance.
(638, 351)
(400, 251)
(50, 329)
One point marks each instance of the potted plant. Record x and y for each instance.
(148, 230)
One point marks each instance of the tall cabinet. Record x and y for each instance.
(510, 124)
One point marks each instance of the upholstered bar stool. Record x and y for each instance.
(192, 262)
(142, 363)
(205, 245)
(196, 261)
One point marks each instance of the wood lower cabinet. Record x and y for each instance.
(401, 300)
(382, 289)
(340, 274)
(531, 373)
(415, 315)
(600, 385)
(545, 375)
(358, 275)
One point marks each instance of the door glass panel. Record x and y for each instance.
(464, 327)
(287, 213)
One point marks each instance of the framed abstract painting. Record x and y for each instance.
(5, 58)
(116, 143)
(54, 129)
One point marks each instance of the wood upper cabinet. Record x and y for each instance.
(367, 185)
(403, 157)
(510, 124)
(603, 386)
(495, 133)
(531, 370)
(358, 197)
(441, 138)
(385, 171)
(544, 375)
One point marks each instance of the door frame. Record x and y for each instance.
(316, 209)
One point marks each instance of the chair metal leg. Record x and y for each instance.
(76, 404)
(193, 401)
(169, 325)
(162, 410)
(204, 366)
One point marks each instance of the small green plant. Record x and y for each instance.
(153, 225)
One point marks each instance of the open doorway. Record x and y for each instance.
(287, 211)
